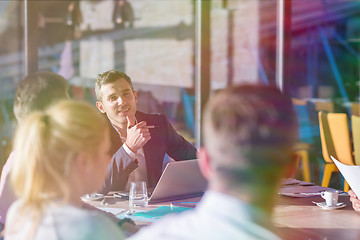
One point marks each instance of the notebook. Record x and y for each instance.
(179, 180)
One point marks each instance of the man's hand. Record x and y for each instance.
(355, 201)
(137, 135)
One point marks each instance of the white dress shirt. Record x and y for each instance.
(218, 216)
(140, 173)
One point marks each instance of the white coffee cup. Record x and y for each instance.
(331, 198)
(138, 196)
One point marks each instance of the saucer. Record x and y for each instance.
(326, 207)
(92, 197)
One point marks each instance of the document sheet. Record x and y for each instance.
(351, 173)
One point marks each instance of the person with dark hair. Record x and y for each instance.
(35, 92)
(249, 132)
(139, 140)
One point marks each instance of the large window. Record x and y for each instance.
(154, 42)
(322, 68)
(157, 44)
(11, 68)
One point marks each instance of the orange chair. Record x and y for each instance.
(355, 122)
(335, 141)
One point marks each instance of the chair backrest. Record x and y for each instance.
(355, 122)
(338, 130)
(327, 145)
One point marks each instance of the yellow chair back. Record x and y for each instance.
(327, 145)
(335, 141)
(340, 134)
(355, 122)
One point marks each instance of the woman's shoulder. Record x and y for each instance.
(88, 223)
(68, 221)
(13, 210)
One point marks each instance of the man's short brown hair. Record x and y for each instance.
(249, 130)
(110, 77)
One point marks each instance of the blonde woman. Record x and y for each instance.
(60, 155)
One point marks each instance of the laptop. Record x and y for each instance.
(179, 180)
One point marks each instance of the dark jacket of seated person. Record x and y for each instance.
(164, 139)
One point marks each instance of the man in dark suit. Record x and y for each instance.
(139, 140)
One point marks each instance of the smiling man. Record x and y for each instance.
(139, 140)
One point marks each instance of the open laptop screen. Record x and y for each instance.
(179, 180)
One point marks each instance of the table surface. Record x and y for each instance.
(299, 218)
(294, 218)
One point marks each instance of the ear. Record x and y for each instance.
(100, 106)
(204, 163)
(136, 95)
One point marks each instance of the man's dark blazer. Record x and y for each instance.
(164, 139)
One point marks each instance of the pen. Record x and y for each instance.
(152, 126)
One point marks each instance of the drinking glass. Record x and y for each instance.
(138, 196)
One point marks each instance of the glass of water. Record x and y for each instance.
(138, 196)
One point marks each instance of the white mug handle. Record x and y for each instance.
(323, 195)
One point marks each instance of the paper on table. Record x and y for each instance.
(301, 191)
(114, 211)
(136, 218)
(289, 181)
(351, 173)
(152, 215)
